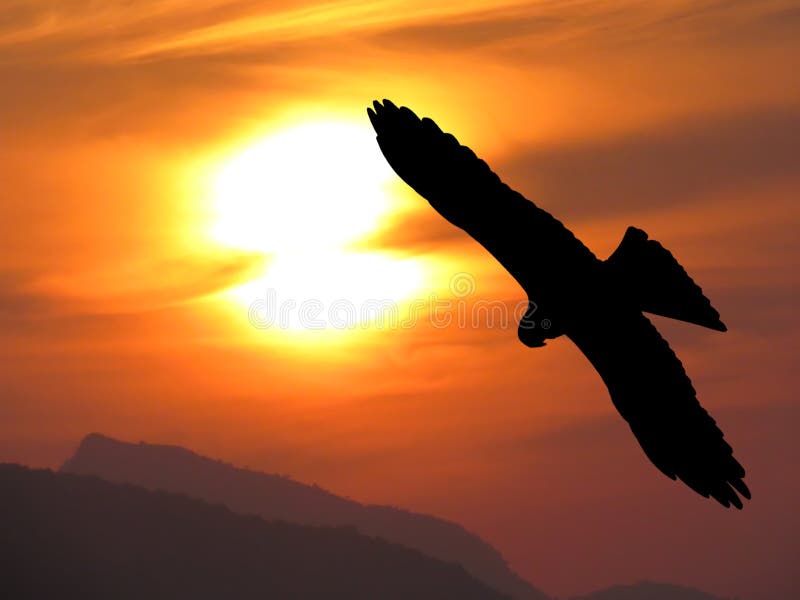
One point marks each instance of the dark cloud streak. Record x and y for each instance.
(659, 168)
(22, 296)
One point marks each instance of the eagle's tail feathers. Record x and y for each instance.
(659, 282)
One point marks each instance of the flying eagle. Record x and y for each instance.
(597, 304)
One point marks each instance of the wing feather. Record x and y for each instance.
(466, 192)
(652, 392)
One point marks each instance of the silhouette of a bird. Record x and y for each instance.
(597, 304)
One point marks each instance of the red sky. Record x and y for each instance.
(116, 309)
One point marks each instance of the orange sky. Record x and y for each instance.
(116, 310)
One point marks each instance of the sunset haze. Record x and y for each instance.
(175, 173)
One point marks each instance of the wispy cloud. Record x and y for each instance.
(666, 166)
(148, 286)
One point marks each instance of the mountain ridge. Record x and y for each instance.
(245, 491)
(78, 536)
(177, 469)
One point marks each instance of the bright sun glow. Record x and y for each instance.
(303, 196)
(313, 186)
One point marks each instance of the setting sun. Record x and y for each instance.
(310, 187)
(303, 196)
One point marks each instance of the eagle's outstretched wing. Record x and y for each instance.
(646, 380)
(652, 392)
(465, 191)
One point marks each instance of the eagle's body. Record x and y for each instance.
(597, 304)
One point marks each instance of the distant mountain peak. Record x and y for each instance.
(75, 536)
(277, 497)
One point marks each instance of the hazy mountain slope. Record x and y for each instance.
(176, 469)
(70, 536)
(648, 590)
